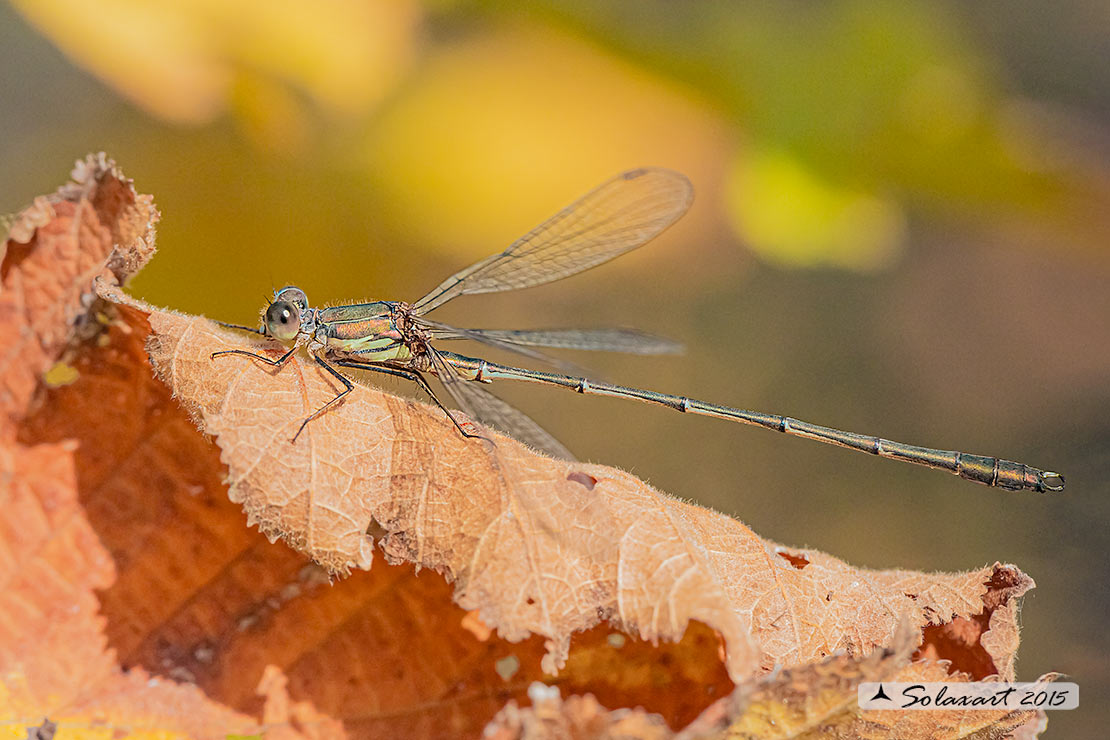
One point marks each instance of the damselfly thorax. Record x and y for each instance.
(398, 339)
(375, 332)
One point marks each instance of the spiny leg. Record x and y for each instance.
(281, 361)
(420, 380)
(347, 388)
(273, 363)
(240, 327)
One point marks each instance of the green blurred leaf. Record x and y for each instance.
(789, 215)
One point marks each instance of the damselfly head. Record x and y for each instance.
(282, 318)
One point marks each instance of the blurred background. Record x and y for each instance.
(901, 228)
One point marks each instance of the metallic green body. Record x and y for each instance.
(367, 331)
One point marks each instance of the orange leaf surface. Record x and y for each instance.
(580, 717)
(820, 700)
(817, 700)
(579, 576)
(54, 658)
(94, 225)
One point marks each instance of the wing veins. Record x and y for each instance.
(565, 239)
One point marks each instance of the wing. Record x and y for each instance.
(618, 216)
(443, 331)
(492, 411)
(630, 341)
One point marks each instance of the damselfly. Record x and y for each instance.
(629, 210)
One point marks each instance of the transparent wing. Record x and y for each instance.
(631, 341)
(443, 331)
(618, 216)
(492, 411)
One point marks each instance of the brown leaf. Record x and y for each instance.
(280, 715)
(949, 724)
(56, 669)
(984, 644)
(578, 717)
(51, 563)
(810, 701)
(54, 661)
(820, 700)
(94, 225)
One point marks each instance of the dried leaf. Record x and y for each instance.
(51, 563)
(280, 715)
(56, 669)
(54, 660)
(820, 700)
(969, 724)
(810, 699)
(579, 717)
(94, 225)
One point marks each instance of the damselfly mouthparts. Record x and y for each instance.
(397, 339)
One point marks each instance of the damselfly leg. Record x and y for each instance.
(254, 355)
(417, 378)
(348, 386)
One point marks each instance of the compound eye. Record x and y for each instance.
(283, 320)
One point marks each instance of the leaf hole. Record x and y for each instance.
(958, 641)
(798, 561)
(17, 252)
(584, 478)
(375, 531)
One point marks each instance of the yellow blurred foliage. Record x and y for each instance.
(182, 60)
(788, 215)
(499, 131)
(940, 104)
(856, 113)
